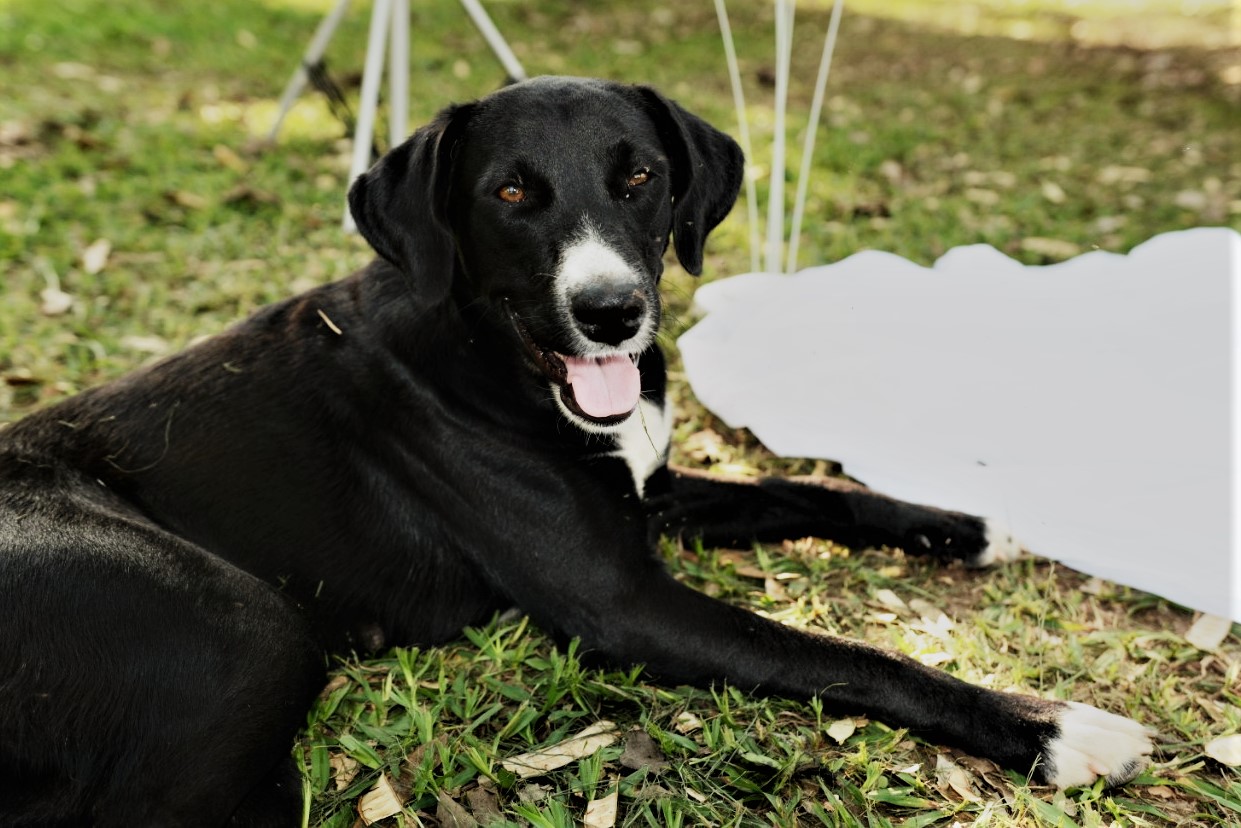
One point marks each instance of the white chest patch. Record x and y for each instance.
(642, 441)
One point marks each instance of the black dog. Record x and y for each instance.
(477, 421)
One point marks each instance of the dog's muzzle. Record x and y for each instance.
(601, 389)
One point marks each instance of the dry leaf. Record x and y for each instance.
(332, 686)
(55, 301)
(747, 571)
(1124, 175)
(1095, 586)
(950, 775)
(687, 723)
(450, 814)
(533, 793)
(484, 805)
(380, 802)
(245, 195)
(705, 445)
(841, 730)
(930, 613)
(155, 345)
(344, 769)
(95, 257)
(890, 600)
(583, 744)
(1225, 749)
(641, 751)
(229, 159)
(601, 813)
(190, 201)
(1050, 248)
(985, 198)
(1053, 192)
(1208, 631)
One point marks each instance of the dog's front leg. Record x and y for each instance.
(728, 512)
(640, 614)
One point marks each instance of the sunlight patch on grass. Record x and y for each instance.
(1137, 23)
(318, 6)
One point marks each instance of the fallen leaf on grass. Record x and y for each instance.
(1225, 750)
(450, 814)
(579, 746)
(1053, 192)
(951, 776)
(155, 345)
(246, 196)
(380, 802)
(930, 613)
(1208, 631)
(20, 377)
(533, 793)
(188, 200)
(842, 729)
(687, 723)
(344, 769)
(1095, 586)
(641, 751)
(704, 446)
(95, 257)
(228, 158)
(484, 805)
(332, 686)
(1124, 175)
(1050, 248)
(890, 600)
(55, 301)
(601, 813)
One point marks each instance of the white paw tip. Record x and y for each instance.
(1001, 546)
(1093, 743)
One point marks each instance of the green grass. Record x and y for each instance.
(140, 123)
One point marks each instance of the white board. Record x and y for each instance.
(1092, 405)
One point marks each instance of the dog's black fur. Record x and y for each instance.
(385, 460)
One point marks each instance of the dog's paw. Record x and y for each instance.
(1001, 546)
(1091, 743)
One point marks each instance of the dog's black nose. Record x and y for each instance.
(608, 315)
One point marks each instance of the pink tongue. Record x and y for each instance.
(605, 387)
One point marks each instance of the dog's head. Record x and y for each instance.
(549, 205)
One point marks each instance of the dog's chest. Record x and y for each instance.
(642, 441)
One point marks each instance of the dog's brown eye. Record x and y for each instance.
(512, 194)
(639, 177)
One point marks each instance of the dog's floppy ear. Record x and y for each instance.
(400, 204)
(707, 167)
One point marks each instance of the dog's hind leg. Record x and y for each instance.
(145, 681)
(728, 511)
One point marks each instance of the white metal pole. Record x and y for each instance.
(775, 203)
(381, 18)
(743, 131)
(312, 55)
(398, 74)
(812, 129)
(482, 21)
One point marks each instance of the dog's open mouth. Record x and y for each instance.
(603, 390)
